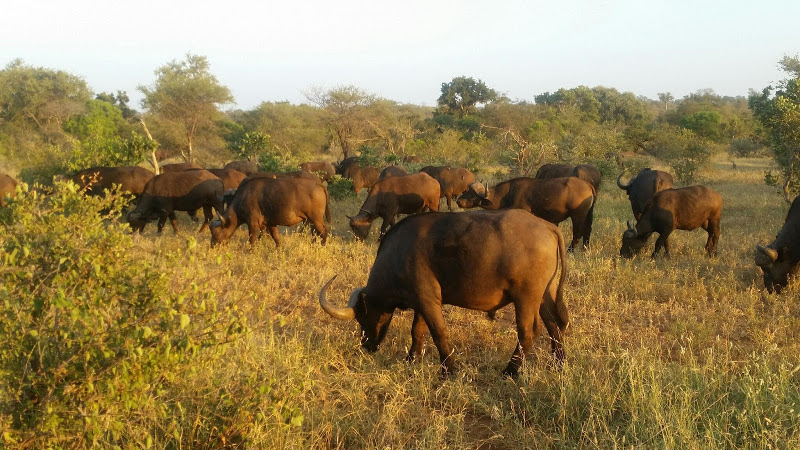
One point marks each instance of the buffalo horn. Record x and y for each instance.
(770, 252)
(624, 186)
(337, 313)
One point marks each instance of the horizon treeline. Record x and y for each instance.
(51, 122)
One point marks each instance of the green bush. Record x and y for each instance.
(341, 188)
(96, 344)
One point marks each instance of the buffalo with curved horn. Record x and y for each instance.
(642, 187)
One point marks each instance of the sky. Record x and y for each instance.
(404, 50)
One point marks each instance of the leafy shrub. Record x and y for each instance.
(95, 343)
(744, 148)
(341, 188)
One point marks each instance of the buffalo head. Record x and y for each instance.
(373, 320)
(775, 264)
(632, 243)
(360, 224)
(474, 196)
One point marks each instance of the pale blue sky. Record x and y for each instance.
(404, 50)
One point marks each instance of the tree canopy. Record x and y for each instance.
(187, 96)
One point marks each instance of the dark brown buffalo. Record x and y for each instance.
(480, 260)
(187, 190)
(780, 259)
(585, 172)
(643, 186)
(97, 179)
(266, 202)
(231, 178)
(245, 166)
(686, 208)
(452, 182)
(391, 196)
(8, 188)
(178, 167)
(392, 171)
(342, 166)
(553, 200)
(324, 169)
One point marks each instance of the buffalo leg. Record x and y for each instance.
(587, 226)
(449, 203)
(713, 238)
(173, 221)
(207, 215)
(433, 317)
(577, 231)
(273, 231)
(529, 325)
(555, 327)
(662, 242)
(419, 329)
(162, 219)
(320, 229)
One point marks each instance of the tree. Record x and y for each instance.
(778, 110)
(665, 98)
(186, 95)
(37, 97)
(461, 96)
(120, 100)
(347, 109)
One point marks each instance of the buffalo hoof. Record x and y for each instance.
(511, 372)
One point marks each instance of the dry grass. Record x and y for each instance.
(687, 352)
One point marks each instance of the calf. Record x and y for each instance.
(686, 208)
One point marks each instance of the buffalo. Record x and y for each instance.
(643, 186)
(686, 208)
(779, 260)
(452, 182)
(231, 178)
(553, 200)
(8, 188)
(96, 180)
(392, 171)
(179, 167)
(266, 202)
(245, 166)
(342, 166)
(480, 260)
(187, 190)
(363, 177)
(585, 172)
(324, 169)
(391, 196)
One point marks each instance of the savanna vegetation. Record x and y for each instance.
(119, 340)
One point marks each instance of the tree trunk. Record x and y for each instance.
(153, 159)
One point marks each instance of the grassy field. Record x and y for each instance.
(687, 352)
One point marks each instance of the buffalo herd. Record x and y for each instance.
(510, 251)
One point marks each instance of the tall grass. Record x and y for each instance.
(687, 352)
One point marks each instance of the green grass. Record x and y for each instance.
(687, 352)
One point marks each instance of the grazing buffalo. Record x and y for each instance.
(245, 166)
(392, 171)
(324, 169)
(481, 260)
(686, 208)
(452, 182)
(553, 200)
(8, 188)
(585, 172)
(188, 190)
(96, 180)
(391, 196)
(265, 202)
(231, 178)
(179, 167)
(779, 260)
(643, 186)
